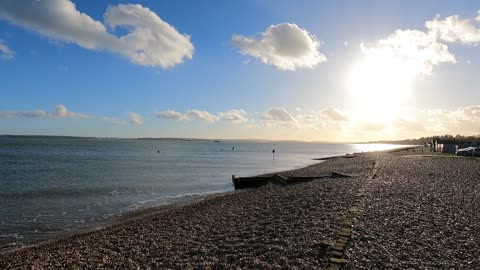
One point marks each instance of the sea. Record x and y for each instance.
(50, 186)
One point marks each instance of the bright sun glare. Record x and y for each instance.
(380, 84)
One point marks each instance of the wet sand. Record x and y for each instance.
(417, 212)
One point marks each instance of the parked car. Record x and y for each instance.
(469, 152)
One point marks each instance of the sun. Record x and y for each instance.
(380, 85)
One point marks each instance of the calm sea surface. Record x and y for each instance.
(52, 185)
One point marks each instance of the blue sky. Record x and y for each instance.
(216, 78)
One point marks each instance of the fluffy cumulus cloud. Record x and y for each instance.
(418, 51)
(329, 118)
(135, 118)
(414, 51)
(202, 115)
(114, 121)
(236, 116)
(334, 114)
(285, 45)
(149, 41)
(173, 115)
(462, 120)
(60, 112)
(5, 51)
(455, 29)
(335, 124)
(413, 122)
(278, 115)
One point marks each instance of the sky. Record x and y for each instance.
(275, 70)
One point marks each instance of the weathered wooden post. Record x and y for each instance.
(234, 181)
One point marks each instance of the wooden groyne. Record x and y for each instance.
(257, 181)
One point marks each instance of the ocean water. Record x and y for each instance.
(52, 185)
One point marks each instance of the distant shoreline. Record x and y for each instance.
(9, 136)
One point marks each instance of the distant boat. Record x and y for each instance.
(216, 141)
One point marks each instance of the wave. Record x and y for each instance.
(166, 200)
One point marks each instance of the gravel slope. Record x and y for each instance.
(272, 227)
(419, 213)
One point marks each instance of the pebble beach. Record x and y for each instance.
(412, 210)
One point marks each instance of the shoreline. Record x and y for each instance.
(130, 216)
(116, 220)
(133, 215)
(219, 220)
(402, 202)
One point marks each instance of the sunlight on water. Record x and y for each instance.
(368, 147)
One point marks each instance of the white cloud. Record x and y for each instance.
(202, 115)
(411, 123)
(462, 114)
(418, 52)
(60, 112)
(153, 42)
(149, 42)
(278, 115)
(329, 117)
(5, 52)
(334, 114)
(169, 114)
(414, 51)
(455, 29)
(114, 121)
(285, 45)
(236, 116)
(135, 118)
(470, 113)
(26, 114)
(463, 120)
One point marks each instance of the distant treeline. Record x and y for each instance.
(441, 138)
